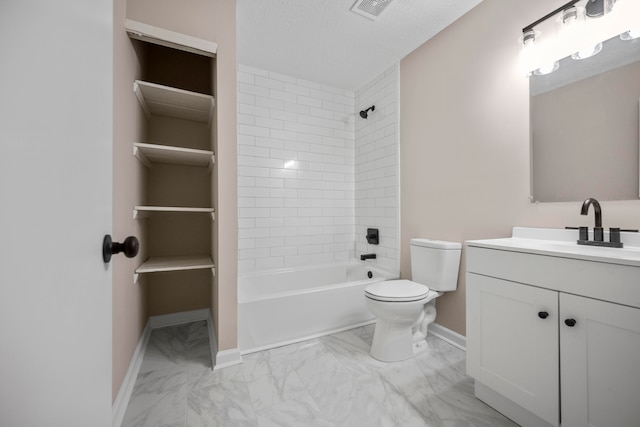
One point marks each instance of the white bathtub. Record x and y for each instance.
(280, 307)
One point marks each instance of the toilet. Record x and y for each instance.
(405, 308)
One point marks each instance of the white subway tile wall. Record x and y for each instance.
(311, 175)
(296, 203)
(377, 169)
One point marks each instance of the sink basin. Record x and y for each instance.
(562, 243)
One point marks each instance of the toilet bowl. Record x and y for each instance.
(404, 308)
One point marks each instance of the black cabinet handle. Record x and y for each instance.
(570, 322)
(129, 247)
(543, 314)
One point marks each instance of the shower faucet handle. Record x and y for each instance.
(373, 236)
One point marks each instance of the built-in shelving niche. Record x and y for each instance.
(175, 92)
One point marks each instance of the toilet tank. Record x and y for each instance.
(435, 263)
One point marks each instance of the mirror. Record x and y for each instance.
(585, 126)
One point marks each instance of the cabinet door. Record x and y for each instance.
(512, 342)
(600, 379)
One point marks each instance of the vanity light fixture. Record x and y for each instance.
(575, 32)
(532, 55)
(562, 8)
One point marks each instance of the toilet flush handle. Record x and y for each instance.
(129, 247)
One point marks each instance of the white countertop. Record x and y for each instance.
(562, 243)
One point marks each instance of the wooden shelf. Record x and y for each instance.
(154, 153)
(140, 212)
(181, 263)
(162, 100)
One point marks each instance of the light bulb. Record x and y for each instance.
(570, 16)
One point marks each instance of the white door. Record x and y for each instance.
(600, 350)
(55, 206)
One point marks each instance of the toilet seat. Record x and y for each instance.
(397, 291)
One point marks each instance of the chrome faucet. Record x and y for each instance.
(597, 231)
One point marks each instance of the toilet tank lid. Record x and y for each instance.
(437, 244)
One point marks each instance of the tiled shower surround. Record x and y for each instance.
(376, 168)
(307, 184)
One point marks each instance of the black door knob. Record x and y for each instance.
(543, 314)
(129, 247)
(570, 322)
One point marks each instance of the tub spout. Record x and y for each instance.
(367, 256)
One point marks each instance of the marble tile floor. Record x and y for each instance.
(328, 381)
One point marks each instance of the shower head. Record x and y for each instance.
(364, 114)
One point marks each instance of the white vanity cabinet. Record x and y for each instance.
(599, 363)
(554, 340)
(510, 349)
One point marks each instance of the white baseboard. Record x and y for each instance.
(226, 358)
(446, 334)
(126, 389)
(213, 342)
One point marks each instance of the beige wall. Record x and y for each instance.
(212, 20)
(129, 186)
(225, 243)
(464, 141)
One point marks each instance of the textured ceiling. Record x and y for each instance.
(324, 42)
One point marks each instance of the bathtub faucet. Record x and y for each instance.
(367, 256)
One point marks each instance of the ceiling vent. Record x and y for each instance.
(370, 8)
